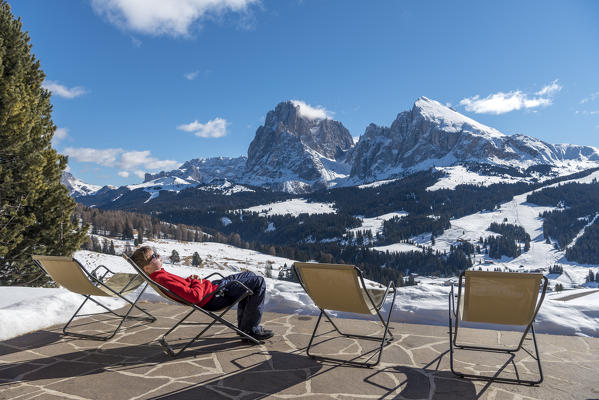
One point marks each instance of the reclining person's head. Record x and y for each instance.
(147, 259)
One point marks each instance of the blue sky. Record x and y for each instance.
(142, 85)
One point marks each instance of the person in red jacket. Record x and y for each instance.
(195, 290)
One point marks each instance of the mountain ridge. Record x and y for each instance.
(298, 152)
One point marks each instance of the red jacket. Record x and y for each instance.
(192, 290)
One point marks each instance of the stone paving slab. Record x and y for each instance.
(47, 365)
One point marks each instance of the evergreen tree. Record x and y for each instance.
(111, 249)
(35, 208)
(127, 231)
(140, 236)
(196, 260)
(591, 276)
(174, 257)
(128, 249)
(105, 246)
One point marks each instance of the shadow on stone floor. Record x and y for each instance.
(30, 341)
(280, 372)
(91, 361)
(420, 383)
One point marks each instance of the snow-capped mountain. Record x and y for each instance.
(432, 134)
(205, 170)
(77, 187)
(297, 151)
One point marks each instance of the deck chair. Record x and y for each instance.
(171, 296)
(504, 298)
(341, 287)
(69, 273)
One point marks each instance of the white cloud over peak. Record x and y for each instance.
(500, 103)
(318, 112)
(127, 161)
(62, 91)
(215, 128)
(165, 17)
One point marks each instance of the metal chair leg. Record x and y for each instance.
(123, 317)
(384, 340)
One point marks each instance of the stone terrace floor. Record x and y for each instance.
(47, 365)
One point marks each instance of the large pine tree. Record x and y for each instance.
(35, 209)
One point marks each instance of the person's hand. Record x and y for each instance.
(195, 277)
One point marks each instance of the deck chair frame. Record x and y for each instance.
(96, 277)
(384, 339)
(170, 295)
(454, 315)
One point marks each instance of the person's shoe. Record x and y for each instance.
(259, 333)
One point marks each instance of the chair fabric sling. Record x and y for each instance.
(70, 274)
(503, 298)
(171, 296)
(341, 287)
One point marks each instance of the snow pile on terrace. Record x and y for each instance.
(293, 207)
(28, 309)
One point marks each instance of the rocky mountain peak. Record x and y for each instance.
(294, 142)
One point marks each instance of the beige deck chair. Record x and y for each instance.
(504, 298)
(340, 287)
(69, 273)
(171, 296)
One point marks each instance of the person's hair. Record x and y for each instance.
(142, 256)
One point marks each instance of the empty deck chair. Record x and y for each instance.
(69, 273)
(169, 295)
(504, 298)
(341, 287)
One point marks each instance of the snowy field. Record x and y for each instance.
(375, 224)
(24, 310)
(293, 207)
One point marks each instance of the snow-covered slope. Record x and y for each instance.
(293, 207)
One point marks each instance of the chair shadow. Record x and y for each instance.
(29, 342)
(260, 380)
(425, 383)
(95, 361)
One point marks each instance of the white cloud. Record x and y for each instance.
(191, 75)
(165, 17)
(500, 103)
(215, 128)
(105, 157)
(140, 174)
(136, 42)
(591, 97)
(550, 89)
(62, 91)
(318, 112)
(59, 134)
(127, 161)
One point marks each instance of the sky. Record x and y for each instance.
(145, 85)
